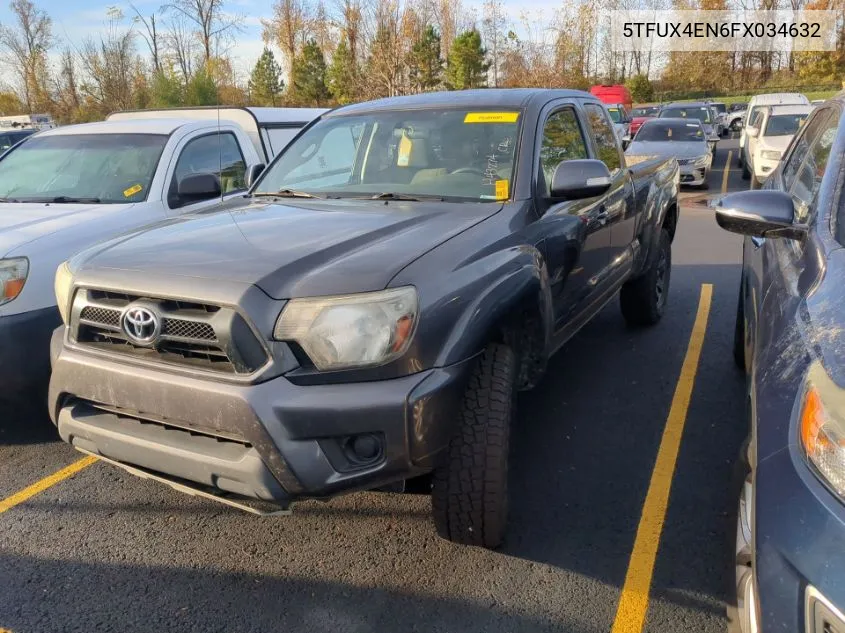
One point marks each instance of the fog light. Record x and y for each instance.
(365, 447)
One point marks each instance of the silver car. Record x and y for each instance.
(683, 139)
(691, 111)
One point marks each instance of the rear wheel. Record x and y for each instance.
(643, 300)
(469, 495)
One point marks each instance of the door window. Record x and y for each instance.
(801, 146)
(605, 138)
(809, 177)
(216, 154)
(562, 140)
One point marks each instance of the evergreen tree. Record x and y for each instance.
(467, 65)
(308, 76)
(201, 89)
(425, 65)
(165, 90)
(343, 75)
(265, 83)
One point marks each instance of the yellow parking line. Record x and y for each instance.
(633, 603)
(40, 486)
(726, 172)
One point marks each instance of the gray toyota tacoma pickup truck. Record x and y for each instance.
(366, 314)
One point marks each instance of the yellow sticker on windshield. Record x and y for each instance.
(128, 193)
(502, 190)
(491, 117)
(405, 148)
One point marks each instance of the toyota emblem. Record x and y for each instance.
(141, 325)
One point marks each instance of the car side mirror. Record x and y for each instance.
(198, 187)
(765, 213)
(253, 173)
(626, 141)
(752, 131)
(582, 178)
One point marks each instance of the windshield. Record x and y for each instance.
(615, 114)
(450, 154)
(659, 131)
(701, 113)
(106, 168)
(721, 108)
(783, 124)
(651, 111)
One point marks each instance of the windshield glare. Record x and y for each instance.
(698, 112)
(657, 130)
(783, 124)
(451, 154)
(111, 168)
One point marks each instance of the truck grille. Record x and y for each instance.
(191, 334)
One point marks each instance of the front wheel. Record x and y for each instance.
(643, 300)
(469, 494)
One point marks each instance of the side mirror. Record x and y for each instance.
(253, 173)
(577, 179)
(197, 187)
(759, 214)
(752, 131)
(626, 141)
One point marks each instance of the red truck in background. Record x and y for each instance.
(613, 94)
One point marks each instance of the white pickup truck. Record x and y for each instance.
(68, 188)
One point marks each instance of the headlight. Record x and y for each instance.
(358, 330)
(63, 286)
(770, 154)
(823, 434)
(703, 161)
(13, 274)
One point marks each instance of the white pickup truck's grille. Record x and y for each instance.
(191, 334)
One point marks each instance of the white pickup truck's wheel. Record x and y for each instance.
(469, 495)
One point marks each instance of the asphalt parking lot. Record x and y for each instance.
(616, 525)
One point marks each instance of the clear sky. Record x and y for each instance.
(76, 20)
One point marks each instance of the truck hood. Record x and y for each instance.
(778, 143)
(298, 249)
(21, 223)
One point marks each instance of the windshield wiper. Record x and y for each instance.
(67, 200)
(389, 195)
(286, 193)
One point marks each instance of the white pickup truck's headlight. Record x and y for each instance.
(13, 274)
(703, 161)
(770, 154)
(357, 330)
(63, 286)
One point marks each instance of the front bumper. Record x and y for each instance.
(273, 440)
(763, 167)
(693, 175)
(25, 350)
(799, 529)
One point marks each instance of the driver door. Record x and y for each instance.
(216, 153)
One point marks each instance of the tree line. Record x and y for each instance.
(342, 51)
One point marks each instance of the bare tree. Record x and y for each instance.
(25, 47)
(210, 22)
(493, 26)
(151, 35)
(181, 45)
(108, 63)
(289, 28)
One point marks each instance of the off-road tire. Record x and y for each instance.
(643, 300)
(469, 494)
